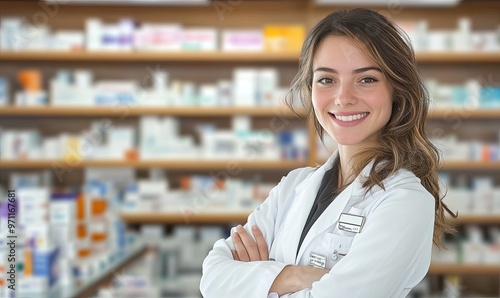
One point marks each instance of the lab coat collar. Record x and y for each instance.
(319, 171)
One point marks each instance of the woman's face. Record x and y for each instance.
(352, 98)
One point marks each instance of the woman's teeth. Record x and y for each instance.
(351, 117)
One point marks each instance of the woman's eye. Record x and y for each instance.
(325, 80)
(368, 80)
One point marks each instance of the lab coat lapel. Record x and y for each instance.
(305, 193)
(332, 213)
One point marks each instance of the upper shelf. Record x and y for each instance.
(478, 219)
(207, 216)
(465, 113)
(134, 2)
(423, 57)
(125, 111)
(185, 56)
(464, 269)
(173, 164)
(223, 216)
(206, 111)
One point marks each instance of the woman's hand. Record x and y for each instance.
(246, 248)
(295, 278)
(291, 279)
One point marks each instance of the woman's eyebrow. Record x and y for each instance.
(356, 71)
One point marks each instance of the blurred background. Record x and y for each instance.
(134, 134)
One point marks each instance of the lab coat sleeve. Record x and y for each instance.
(225, 277)
(392, 251)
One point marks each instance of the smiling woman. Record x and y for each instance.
(378, 192)
(350, 93)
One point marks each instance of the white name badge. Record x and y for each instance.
(351, 223)
(317, 260)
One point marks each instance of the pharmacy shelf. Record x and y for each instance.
(133, 2)
(181, 57)
(188, 215)
(91, 286)
(485, 219)
(126, 111)
(178, 164)
(464, 113)
(458, 57)
(464, 269)
(470, 165)
(464, 165)
(217, 56)
(194, 215)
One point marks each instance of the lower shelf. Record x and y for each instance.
(218, 216)
(89, 287)
(464, 269)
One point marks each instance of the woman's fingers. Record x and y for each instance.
(249, 244)
(246, 248)
(240, 249)
(235, 255)
(261, 243)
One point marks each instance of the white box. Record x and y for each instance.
(159, 37)
(242, 40)
(4, 92)
(245, 86)
(199, 39)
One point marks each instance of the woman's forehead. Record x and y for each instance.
(341, 52)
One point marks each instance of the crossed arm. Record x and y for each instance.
(291, 279)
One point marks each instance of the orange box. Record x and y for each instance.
(99, 206)
(31, 80)
(80, 207)
(81, 230)
(186, 183)
(284, 38)
(28, 262)
(131, 154)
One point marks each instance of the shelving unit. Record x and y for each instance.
(464, 269)
(464, 113)
(220, 57)
(125, 111)
(228, 216)
(177, 57)
(174, 164)
(91, 286)
(188, 216)
(208, 111)
(442, 65)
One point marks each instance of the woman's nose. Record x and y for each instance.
(345, 96)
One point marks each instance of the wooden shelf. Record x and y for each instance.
(470, 165)
(457, 57)
(488, 219)
(196, 111)
(464, 269)
(125, 111)
(227, 216)
(188, 216)
(139, 3)
(185, 56)
(89, 287)
(177, 164)
(464, 113)
(463, 165)
(217, 56)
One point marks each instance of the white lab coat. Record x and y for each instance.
(386, 259)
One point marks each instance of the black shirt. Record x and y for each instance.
(326, 194)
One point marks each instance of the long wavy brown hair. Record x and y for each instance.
(402, 143)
